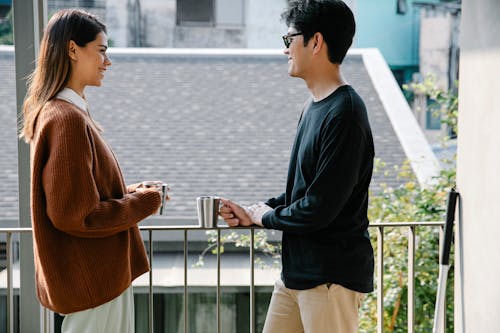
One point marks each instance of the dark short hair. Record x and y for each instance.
(332, 18)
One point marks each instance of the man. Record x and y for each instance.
(327, 256)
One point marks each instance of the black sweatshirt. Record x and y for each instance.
(323, 213)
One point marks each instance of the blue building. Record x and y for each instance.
(4, 8)
(393, 27)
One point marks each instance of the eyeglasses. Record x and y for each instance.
(287, 39)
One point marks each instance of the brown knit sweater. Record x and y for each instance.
(87, 245)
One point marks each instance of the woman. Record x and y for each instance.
(87, 245)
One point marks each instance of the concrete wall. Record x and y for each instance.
(158, 22)
(116, 22)
(439, 31)
(155, 20)
(435, 41)
(208, 37)
(264, 25)
(477, 289)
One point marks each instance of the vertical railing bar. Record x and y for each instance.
(150, 312)
(47, 321)
(411, 279)
(185, 283)
(441, 244)
(44, 324)
(218, 282)
(10, 288)
(380, 279)
(252, 281)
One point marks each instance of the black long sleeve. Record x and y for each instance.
(277, 201)
(323, 212)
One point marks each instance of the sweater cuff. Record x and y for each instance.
(152, 201)
(256, 212)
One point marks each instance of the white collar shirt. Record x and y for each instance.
(69, 95)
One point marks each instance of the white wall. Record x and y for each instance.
(230, 12)
(116, 22)
(477, 289)
(159, 24)
(263, 23)
(435, 40)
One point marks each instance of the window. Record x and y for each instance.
(402, 7)
(87, 3)
(4, 8)
(221, 13)
(195, 12)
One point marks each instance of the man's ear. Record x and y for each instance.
(72, 50)
(318, 42)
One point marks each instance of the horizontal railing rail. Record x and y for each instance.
(411, 226)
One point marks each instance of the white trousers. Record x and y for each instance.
(115, 316)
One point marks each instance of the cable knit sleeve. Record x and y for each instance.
(78, 201)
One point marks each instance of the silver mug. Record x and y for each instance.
(164, 189)
(208, 211)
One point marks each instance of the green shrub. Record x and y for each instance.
(409, 203)
(6, 30)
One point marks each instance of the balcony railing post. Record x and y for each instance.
(380, 279)
(186, 314)
(151, 302)
(48, 321)
(218, 282)
(411, 279)
(29, 18)
(45, 320)
(10, 289)
(252, 281)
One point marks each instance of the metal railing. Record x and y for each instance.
(185, 229)
(10, 281)
(410, 226)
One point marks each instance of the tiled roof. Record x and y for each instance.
(213, 124)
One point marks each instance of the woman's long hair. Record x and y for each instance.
(53, 68)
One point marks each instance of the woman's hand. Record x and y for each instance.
(133, 187)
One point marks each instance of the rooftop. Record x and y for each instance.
(215, 122)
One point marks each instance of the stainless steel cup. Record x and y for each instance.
(164, 189)
(208, 211)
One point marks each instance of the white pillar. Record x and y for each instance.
(477, 291)
(29, 20)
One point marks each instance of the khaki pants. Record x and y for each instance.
(115, 316)
(322, 309)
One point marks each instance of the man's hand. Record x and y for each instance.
(233, 214)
